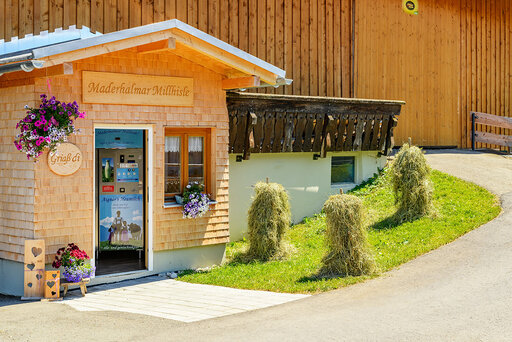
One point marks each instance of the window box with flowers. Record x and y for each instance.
(188, 162)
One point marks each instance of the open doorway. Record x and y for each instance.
(121, 235)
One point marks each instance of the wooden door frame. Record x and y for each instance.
(150, 183)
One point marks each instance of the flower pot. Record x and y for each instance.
(75, 274)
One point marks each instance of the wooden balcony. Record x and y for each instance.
(264, 123)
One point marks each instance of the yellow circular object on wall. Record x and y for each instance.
(410, 6)
(66, 161)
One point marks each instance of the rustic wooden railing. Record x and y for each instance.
(264, 123)
(487, 137)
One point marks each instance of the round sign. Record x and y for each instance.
(410, 6)
(66, 160)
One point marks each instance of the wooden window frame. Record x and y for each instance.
(208, 157)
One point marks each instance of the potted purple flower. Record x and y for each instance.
(46, 126)
(195, 202)
(75, 263)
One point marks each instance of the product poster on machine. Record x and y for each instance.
(121, 222)
(107, 170)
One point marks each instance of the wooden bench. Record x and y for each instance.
(487, 137)
(82, 284)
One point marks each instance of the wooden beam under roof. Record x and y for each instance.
(240, 82)
(159, 46)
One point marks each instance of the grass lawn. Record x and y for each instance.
(460, 206)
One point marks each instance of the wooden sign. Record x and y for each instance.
(52, 284)
(67, 159)
(33, 269)
(113, 88)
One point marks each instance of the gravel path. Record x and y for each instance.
(459, 292)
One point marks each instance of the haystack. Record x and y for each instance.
(349, 251)
(268, 218)
(410, 175)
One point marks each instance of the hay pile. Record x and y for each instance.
(349, 250)
(268, 218)
(410, 175)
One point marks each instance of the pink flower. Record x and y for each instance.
(81, 115)
(53, 121)
(40, 140)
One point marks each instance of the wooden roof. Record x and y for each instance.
(178, 38)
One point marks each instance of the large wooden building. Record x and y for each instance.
(451, 58)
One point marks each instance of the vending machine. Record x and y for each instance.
(120, 201)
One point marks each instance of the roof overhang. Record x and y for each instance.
(190, 43)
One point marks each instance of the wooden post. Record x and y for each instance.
(409, 141)
(52, 284)
(473, 131)
(33, 269)
(252, 119)
(329, 121)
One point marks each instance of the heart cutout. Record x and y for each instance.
(36, 251)
(29, 284)
(50, 283)
(54, 293)
(31, 266)
(38, 276)
(54, 275)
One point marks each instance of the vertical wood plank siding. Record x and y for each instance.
(310, 39)
(452, 58)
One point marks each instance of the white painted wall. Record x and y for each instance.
(307, 181)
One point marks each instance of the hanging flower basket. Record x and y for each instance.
(195, 203)
(46, 126)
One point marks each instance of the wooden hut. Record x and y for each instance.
(157, 119)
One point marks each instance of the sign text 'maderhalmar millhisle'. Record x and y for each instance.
(117, 88)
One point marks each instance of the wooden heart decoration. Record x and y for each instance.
(50, 283)
(31, 266)
(38, 276)
(36, 251)
(29, 284)
(54, 275)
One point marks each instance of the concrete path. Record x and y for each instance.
(176, 300)
(459, 292)
(490, 170)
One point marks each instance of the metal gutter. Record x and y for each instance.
(26, 66)
(16, 58)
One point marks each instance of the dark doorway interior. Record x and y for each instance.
(119, 262)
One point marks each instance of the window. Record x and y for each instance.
(186, 160)
(342, 170)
